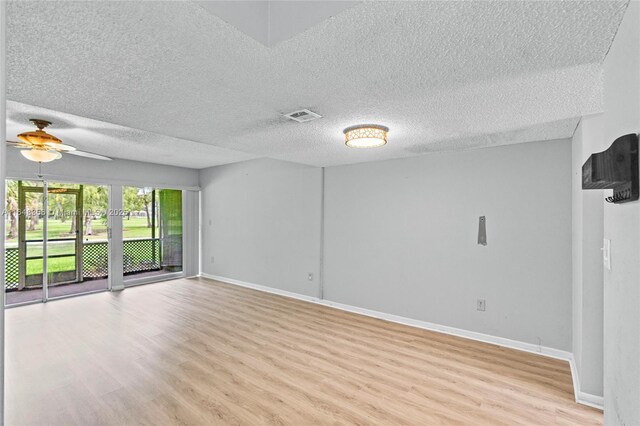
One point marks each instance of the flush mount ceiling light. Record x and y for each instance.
(366, 136)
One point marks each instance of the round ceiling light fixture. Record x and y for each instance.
(40, 155)
(366, 136)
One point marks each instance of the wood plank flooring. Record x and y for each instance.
(196, 351)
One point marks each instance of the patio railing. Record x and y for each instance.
(140, 255)
(11, 269)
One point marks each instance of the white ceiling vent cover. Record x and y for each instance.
(303, 115)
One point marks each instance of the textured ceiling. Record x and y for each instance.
(271, 22)
(442, 75)
(117, 141)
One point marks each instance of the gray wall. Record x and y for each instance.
(588, 278)
(401, 238)
(191, 228)
(617, 290)
(261, 223)
(400, 235)
(621, 96)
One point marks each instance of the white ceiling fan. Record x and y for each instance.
(42, 147)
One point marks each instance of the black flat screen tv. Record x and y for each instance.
(616, 168)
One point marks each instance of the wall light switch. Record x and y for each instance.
(606, 254)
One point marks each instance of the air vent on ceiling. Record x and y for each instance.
(303, 115)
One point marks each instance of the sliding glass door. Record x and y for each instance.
(152, 232)
(57, 240)
(56, 245)
(64, 246)
(77, 255)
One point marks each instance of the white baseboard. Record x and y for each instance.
(261, 288)
(594, 401)
(581, 397)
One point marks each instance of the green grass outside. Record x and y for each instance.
(57, 264)
(135, 227)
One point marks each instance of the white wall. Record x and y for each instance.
(401, 238)
(261, 223)
(622, 226)
(85, 170)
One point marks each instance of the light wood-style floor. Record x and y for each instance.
(201, 352)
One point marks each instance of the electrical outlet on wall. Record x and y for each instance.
(482, 305)
(310, 276)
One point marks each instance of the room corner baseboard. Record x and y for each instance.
(590, 400)
(581, 397)
(262, 288)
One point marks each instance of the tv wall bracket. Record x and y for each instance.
(616, 168)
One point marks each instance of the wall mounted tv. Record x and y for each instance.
(616, 168)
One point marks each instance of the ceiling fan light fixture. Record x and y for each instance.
(41, 147)
(40, 155)
(366, 136)
(38, 137)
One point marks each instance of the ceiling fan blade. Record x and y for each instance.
(89, 155)
(60, 147)
(16, 144)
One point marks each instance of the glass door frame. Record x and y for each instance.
(23, 241)
(22, 238)
(114, 232)
(166, 276)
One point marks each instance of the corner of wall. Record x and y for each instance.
(3, 170)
